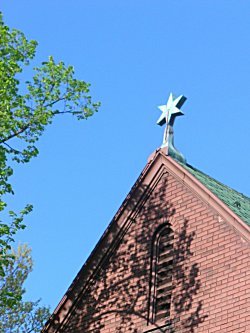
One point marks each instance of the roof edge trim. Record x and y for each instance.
(208, 197)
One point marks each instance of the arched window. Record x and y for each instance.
(161, 275)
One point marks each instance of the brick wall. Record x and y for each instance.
(211, 277)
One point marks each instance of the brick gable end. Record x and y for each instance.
(210, 271)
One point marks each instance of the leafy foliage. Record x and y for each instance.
(25, 111)
(20, 316)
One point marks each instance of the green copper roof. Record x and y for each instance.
(237, 202)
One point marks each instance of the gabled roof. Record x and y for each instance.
(237, 202)
(230, 205)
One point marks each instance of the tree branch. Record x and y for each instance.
(54, 102)
(25, 127)
(20, 131)
(13, 150)
(62, 112)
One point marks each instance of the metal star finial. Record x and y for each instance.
(169, 112)
(171, 109)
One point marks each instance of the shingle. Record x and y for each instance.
(237, 202)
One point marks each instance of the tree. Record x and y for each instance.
(20, 317)
(25, 111)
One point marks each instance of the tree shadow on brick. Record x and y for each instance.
(187, 283)
(120, 290)
(116, 296)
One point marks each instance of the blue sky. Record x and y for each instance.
(134, 53)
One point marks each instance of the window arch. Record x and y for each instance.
(161, 274)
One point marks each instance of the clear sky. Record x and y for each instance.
(134, 53)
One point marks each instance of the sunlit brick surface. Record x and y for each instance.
(210, 280)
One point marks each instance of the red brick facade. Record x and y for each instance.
(210, 273)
